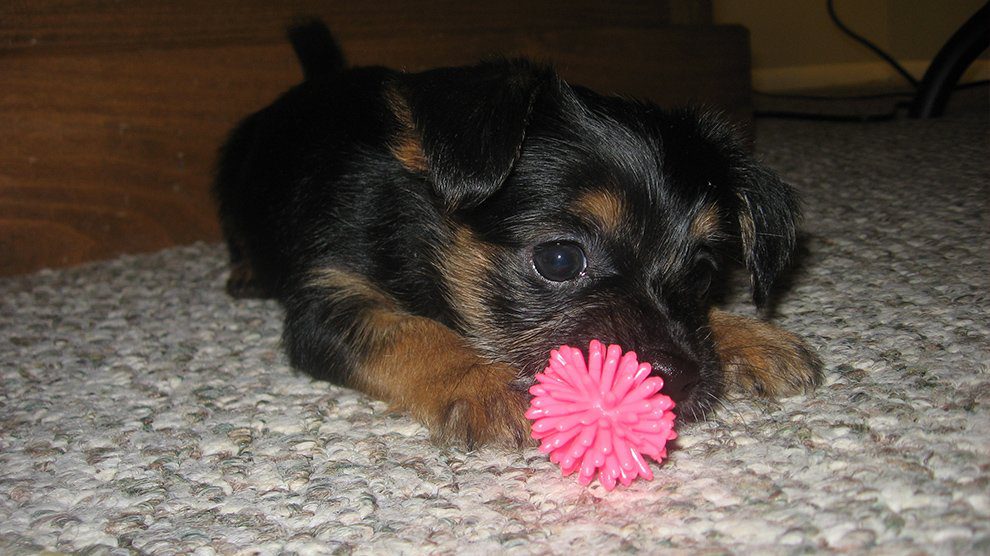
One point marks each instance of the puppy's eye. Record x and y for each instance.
(559, 261)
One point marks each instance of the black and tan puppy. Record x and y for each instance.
(433, 235)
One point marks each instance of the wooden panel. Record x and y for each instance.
(673, 66)
(115, 152)
(111, 112)
(71, 25)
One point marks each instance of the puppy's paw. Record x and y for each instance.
(764, 360)
(484, 408)
(241, 283)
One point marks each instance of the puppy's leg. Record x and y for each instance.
(342, 328)
(762, 359)
(241, 282)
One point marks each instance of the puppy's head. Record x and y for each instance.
(575, 216)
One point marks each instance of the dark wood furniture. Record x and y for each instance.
(111, 112)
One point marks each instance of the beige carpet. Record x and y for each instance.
(144, 412)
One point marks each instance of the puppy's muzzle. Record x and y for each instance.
(680, 376)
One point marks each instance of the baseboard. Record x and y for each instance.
(795, 78)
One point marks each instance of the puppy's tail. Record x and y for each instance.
(317, 50)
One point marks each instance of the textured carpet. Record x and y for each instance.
(141, 410)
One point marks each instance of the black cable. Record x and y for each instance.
(943, 73)
(799, 96)
(850, 118)
(869, 96)
(830, 5)
(843, 118)
(853, 118)
(972, 84)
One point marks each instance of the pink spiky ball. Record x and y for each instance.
(602, 416)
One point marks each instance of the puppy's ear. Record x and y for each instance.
(762, 209)
(767, 214)
(464, 127)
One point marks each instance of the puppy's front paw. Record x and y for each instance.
(483, 408)
(241, 283)
(764, 360)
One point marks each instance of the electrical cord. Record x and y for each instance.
(830, 6)
(850, 118)
(857, 118)
(869, 96)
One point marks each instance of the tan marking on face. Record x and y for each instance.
(601, 207)
(406, 145)
(465, 265)
(707, 223)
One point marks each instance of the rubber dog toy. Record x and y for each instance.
(601, 417)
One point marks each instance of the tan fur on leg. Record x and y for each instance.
(422, 367)
(762, 359)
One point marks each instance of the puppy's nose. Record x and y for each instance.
(680, 376)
